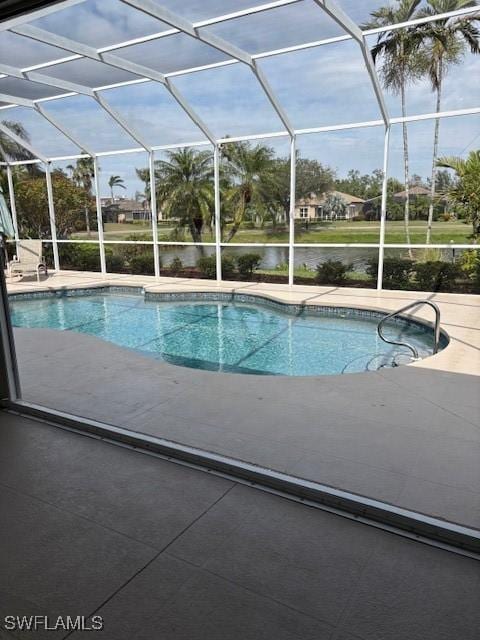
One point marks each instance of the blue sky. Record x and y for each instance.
(323, 86)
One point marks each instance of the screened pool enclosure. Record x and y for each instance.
(144, 136)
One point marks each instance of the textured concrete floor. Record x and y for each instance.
(162, 551)
(409, 436)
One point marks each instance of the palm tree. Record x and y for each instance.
(83, 174)
(464, 193)
(143, 174)
(335, 206)
(12, 149)
(445, 43)
(254, 178)
(398, 51)
(185, 188)
(115, 181)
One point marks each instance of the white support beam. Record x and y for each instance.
(272, 98)
(153, 209)
(121, 121)
(344, 21)
(21, 142)
(377, 87)
(383, 214)
(37, 14)
(13, 206)
(113, 60)
(16, 100)
(54, 122)
(72, 87)
(175, 93)
(84, 50)
(8, 70)
(98, 202)
(51, 215)
(218, 216)
(37, 107)
(153, 9)
(263, 54)
(291, 217)
(132, 67)
(55, 40)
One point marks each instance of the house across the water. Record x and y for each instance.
(124, 210)
(332, 205)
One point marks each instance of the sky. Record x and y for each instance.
(322, 86)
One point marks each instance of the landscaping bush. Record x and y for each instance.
(248, 263)
(115, 262)
(81, 257)
(332, 272)
(176, 266)
(208, 267)
(142, 263)
(469, 266)
(436, 275)
(396, 272)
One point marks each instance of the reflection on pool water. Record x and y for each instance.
(227, 336)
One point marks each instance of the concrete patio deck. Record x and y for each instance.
(161, 551)
(408, 436)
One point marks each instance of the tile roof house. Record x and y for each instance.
(124, 210)
(414, 192)
(313, 207)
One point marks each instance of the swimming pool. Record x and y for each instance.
(234, 335)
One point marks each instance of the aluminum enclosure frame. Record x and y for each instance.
(178, 24)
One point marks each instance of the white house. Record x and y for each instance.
(313, 207)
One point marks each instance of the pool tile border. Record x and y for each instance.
(231, 296)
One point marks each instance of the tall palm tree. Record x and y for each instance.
(12, 149)
(253, 178)
(465, 191)
(83, 174)
(445, 43)
(185, 189)
(115, 181)
(143, 174)
(397, 52)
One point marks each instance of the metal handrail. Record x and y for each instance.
(412, 305)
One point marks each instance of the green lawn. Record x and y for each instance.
(338, 232)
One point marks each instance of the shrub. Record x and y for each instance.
(207, 266)
(228, 267)
(332, 272)
(176, 265)
(83, 257)
(396, 272)
(248, 263)
(436, 275)
(142, 263)
(470, 266)
(114, 261)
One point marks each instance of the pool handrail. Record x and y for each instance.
(412, 305)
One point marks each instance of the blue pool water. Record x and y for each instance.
(225, 336)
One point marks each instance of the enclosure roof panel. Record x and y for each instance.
(100, 23)
(190, 71)
(276, 28)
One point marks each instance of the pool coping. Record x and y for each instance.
(234, 296)
(460, 313)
